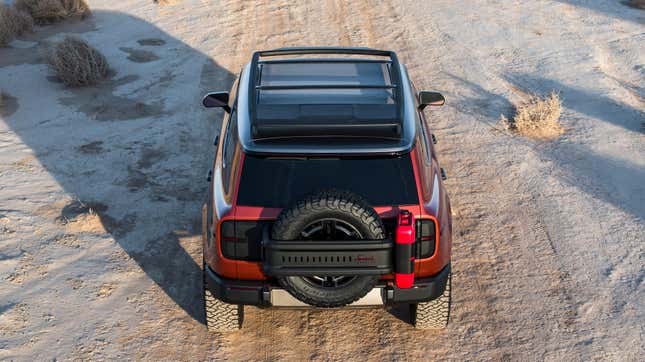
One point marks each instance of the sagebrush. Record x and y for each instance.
(76, 63)
(13, 22)
(537, 118)
(52, 11)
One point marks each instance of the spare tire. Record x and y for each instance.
(328, 215)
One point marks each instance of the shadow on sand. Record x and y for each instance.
(584, 101)
(134, 149)
(612, 180)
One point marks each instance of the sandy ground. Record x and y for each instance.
(100, 188)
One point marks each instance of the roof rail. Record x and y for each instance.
(324, 50)
(326, 86)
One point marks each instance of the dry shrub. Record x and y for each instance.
(43, 11)
(52, 11)
(537, 118)
(13, 22)
(638, 4)
(77, 63)
(76, 8)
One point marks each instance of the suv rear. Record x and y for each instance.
(325, 191)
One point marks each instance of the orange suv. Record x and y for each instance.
(325, 190)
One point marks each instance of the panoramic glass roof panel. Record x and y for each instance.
(312, 73)
(326, 96)
(328, 74)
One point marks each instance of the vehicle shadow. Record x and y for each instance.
(134, 149)
(401, 312)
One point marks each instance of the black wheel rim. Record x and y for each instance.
(330, 229)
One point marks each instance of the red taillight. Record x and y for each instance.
(240, 240)
(425, 238)
(405, 219)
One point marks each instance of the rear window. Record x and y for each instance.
(280, 182)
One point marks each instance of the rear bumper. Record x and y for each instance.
(267, 294)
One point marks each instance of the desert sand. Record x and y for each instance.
(101, 187)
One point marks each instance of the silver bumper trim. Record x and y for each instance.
(282, 298)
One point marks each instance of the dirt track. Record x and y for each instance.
(548, 236)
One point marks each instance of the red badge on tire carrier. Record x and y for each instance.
(404, 250)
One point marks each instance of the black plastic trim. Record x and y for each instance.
(233, 291)
(258, 293)
(347, 257)
(343, 245)
(424, 290)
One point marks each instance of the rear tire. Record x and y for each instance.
(220, 316)
(433, 315)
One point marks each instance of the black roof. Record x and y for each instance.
(324, 105)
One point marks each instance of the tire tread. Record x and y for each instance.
(434, 315)
(220, 316)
